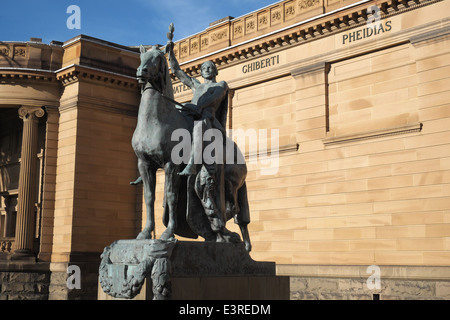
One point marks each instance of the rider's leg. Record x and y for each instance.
(196, 155)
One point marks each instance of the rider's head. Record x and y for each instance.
(209, 70)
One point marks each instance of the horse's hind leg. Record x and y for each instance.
(148, 175)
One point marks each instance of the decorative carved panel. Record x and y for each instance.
(276, 15)
(238, 29)
(250, 25)
(194, 45)
(263, 20)
(289, 10)
(218, 35)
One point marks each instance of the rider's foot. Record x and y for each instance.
(210, 207)
(216, 224)
(138, 181)
(209, 195)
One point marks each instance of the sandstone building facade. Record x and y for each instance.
(358, 98)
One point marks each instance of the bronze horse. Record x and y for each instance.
(184, 214)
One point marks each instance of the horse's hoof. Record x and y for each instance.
(144, 235)
(141, 236)
(167, 235)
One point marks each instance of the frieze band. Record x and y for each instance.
(21, 52)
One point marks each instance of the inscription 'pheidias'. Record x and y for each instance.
(367, 32)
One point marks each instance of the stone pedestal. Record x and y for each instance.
(198, 271)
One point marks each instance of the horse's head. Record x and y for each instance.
(153, 65)
(154, 69)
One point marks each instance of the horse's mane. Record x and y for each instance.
(165, 79)
(167, 86)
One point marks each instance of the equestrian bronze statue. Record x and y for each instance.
(200, 195)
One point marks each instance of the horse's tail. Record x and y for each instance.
(243, 216)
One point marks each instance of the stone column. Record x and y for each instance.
(26, 219)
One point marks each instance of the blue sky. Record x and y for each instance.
(126, 22)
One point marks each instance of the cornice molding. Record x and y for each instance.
(75, 73)
(68, 75)
(129, 50)
(12, 75)
(434, 35)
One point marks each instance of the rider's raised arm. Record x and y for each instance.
(180, 74)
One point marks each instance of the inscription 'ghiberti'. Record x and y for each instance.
(261, 64)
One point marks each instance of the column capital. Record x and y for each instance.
(31, 113)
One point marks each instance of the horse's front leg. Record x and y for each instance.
(172, 187)
(148, 175)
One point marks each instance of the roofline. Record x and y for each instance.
(271, 33)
